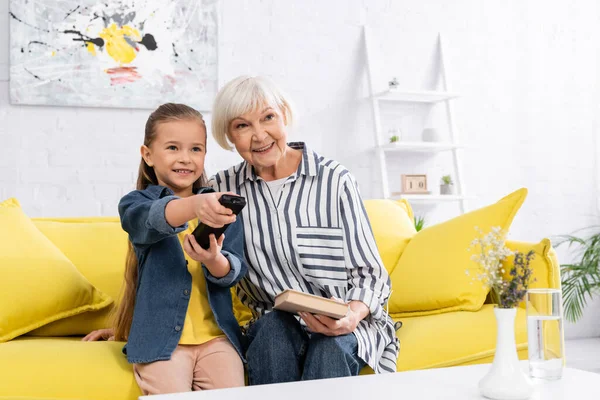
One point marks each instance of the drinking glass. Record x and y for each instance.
(545, 335)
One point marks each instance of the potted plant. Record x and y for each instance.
(508, 285)
(419, 223)
(447, 186)
(580, 279)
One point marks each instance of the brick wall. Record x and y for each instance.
(527, 73)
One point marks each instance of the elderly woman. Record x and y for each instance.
(306, 229)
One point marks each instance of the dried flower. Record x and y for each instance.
(507, 292)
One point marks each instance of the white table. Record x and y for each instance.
(442, 383)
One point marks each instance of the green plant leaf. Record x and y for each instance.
(580, 280)
(419, 222)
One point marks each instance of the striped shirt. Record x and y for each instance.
(314, 236)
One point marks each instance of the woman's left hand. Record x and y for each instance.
(336, 327)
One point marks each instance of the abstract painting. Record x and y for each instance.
(113, 53)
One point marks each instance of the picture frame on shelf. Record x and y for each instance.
(414, 184)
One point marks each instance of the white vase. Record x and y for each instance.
(505, 379)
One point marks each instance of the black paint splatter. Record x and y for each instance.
(23, 22)
(72, 11)
(149, 42)
(34, 75)
(86, 39)
(175, 51)
(37, 42)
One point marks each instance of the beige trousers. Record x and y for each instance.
(211, 365)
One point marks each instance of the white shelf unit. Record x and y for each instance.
(385, 150)
(415, 97)
(421, 147)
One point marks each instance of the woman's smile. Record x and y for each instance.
(264, 149)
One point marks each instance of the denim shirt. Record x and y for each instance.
(164, 282)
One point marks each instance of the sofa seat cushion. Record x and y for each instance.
(453, 338)
(65, 368)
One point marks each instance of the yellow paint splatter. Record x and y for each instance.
(53, 53)
(91, 48)
(116, 45)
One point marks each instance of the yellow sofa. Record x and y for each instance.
(52, 362)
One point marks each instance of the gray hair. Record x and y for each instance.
(242, 95)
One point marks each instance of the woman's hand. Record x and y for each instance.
(100, 334)
(357, 311)
(215, 261)
(209, 211)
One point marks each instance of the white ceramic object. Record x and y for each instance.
(506, 380)
(430, 135)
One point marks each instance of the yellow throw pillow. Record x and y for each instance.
(38, 284)
(97, 247)
(430, 276)
(393, 226)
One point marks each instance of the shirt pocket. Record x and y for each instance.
(321, 254)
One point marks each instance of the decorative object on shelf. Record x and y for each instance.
(505, 379)
(580, 279)
(395, 135)
(430, 135)
(419, 222)
(414, 184)
(447, 186)
(113, 53)
(393, 84)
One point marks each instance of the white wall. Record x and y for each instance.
(526, 71)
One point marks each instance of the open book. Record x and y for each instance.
(294, 301)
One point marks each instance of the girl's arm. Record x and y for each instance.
(205, 206)
(148, 218)
(142, 214)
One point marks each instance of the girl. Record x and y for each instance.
(176, 313)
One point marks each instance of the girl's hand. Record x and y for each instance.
(336, 327)
(100, 334)
(213, 259)
(209, 211)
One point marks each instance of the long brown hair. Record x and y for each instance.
(123, 315)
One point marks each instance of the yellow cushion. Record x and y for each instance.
(65, 368)
(393, 227)
(39, 284)
(430, 276)
(97, 247)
